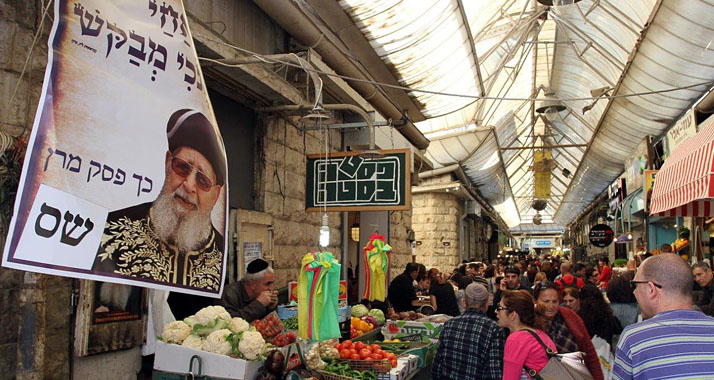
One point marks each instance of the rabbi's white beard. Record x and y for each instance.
(186, 229)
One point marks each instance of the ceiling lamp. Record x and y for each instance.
(539, 204)
(537, 219)
(354, 232)
(557, 2)
(550, 106)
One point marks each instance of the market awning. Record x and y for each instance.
(684, 186)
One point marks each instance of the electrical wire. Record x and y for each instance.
(709, 84)
(27, 60)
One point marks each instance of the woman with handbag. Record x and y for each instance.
(566, 328)
(516, 313)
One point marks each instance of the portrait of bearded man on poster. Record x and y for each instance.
(173, 239)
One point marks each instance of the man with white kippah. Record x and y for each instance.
(254, 296)
(470, 345)
(172, 239)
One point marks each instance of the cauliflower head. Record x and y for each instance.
(251, 345)
(193, 341)
(239, 325)
(176, 332)
(216, 342)
(210, 313)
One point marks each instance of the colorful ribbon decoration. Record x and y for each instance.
(318, 290)
(376, 264)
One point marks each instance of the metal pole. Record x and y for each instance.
(544, 147)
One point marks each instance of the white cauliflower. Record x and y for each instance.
(176, 332)
(216, 342)
(193, 341)
(251, 345)
(210, 313)
(239, 325)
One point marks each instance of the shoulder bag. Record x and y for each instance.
(569, 366)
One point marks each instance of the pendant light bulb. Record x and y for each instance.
(324, 232)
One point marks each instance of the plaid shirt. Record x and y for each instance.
(470, 347)
(558, 331)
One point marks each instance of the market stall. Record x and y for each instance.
(684, 187)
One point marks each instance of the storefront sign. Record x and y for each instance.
(617, 192)
(636, 164)
(347, 182)
(124, 119)
(650, 176)
(601, 235)
(685, 128)
(542, 243)
(541, 174)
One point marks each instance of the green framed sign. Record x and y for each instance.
(344, 181)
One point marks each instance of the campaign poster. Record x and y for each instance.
(125, 179)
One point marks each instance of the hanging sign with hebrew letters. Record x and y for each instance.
(125, 178)
(346, 181)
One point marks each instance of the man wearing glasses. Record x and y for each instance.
(674, 341)
(172, 239)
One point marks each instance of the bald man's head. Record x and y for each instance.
(670, 271)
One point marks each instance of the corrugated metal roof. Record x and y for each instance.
(524, 50)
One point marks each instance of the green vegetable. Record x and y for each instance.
(359, 311)
(378, 316)
(212, 325)
(291, 323)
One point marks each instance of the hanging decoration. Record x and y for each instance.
(377, 263)
(318, 292)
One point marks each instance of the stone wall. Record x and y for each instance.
(280, 192)
(435, 220)
(34, 309)
(400, 222)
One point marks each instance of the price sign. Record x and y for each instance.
(601, 235)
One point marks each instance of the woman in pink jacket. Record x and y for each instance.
(516, 312)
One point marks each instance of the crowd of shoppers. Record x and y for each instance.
(656, 317)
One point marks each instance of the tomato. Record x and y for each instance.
(359, 346)
(381, 352)
(375, 347)
(390, 356)
(348, 342)
(338, 346)
(368, 358)
(393, 362)
(365, 353)
(355, 357)
(345, 346)
(353, 351)
(345, 354)
(376, 357)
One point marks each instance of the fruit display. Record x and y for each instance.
(360, 351)
(271, 328)
(359, 326)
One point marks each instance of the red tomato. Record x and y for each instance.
(345, 346)
(375, 347)
(380, 351)
(338, 346)
(365, 353)
(355, 357)
(393, 362)
(359, 346)
(345, 354)
(348, 342)
(368, 358)
(376, 357)
(390, 356)
(353, 351)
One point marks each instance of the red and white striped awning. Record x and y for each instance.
(684, 186)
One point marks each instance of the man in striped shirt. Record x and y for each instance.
(674, 341)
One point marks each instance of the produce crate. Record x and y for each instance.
(425, 351)
(194, 371)
(369, 336)
(400, 329)
(175, 359)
